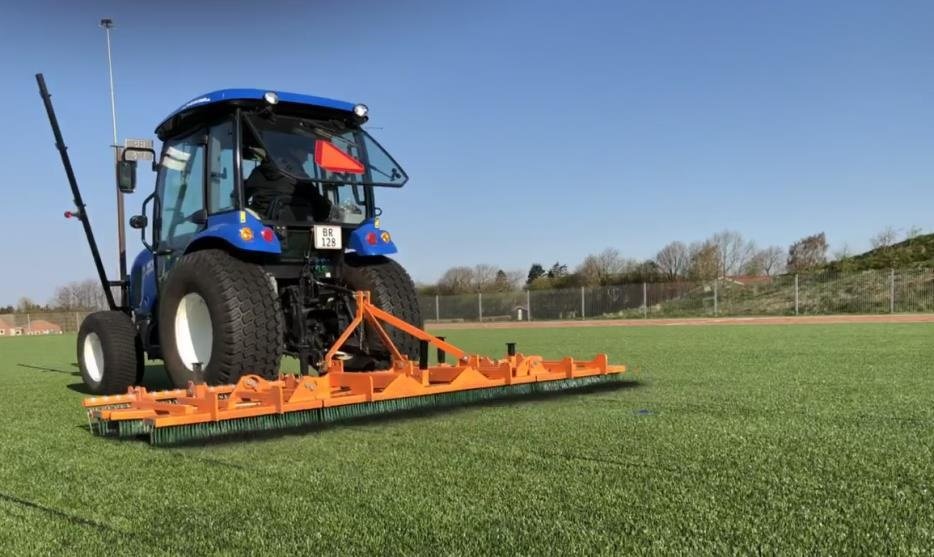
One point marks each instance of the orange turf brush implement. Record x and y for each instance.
(256, 404)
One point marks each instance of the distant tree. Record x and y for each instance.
(807, 253)
(541, 283)
(913, 232)
(733, 251)
(842, 253)
(7, 309)
(602, 268)
(704, 261)
(769, 261)
(673, 261)
(773, 260)
(484, 277)
(535, 271)
(26, 304)
(85, 295)
(755, 267)
(885, 238)
(507, 281)
(558, 270)
(426, 289)
(646, 271)
(456, 280)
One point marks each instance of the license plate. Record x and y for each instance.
(327, 237)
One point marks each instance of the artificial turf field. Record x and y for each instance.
(773, 439)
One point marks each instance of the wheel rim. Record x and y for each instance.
(93, 355)
(194, 331)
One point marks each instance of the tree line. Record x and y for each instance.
(724, 254)
(85, 295)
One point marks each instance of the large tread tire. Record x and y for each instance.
(245, 318)
(392, 290)
(110, 354)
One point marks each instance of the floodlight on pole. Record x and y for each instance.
(107, 24)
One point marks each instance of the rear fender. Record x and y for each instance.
(241, 230)
(360, 243)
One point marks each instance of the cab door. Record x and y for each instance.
(180, 193)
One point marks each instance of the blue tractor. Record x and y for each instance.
(262, 223)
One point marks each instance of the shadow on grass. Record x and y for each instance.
(405, 415)
(50, 369)
(154, 379)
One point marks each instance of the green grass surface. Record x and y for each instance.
(779, 439)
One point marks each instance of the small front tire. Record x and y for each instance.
(110, 354)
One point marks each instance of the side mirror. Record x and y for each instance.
(126, 176)
(139, 222)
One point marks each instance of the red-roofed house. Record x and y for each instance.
(43, 327)
(8, 329)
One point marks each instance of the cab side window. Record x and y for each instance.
(181, 189)
(221, 195)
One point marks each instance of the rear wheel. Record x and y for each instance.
(392, 290)
(110, 354)
(220, 314)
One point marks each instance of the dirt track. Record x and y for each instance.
(799, 320)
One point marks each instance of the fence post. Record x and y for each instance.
(480, 304)
(892, 291)
(77, 322)
(528, 304)
(437, 308)
(583, 312)
(796, 293)
(28, 323)
(715, 302)
(645, 301)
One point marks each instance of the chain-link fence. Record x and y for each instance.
(877, 291)
(41, 323)
(886, 291)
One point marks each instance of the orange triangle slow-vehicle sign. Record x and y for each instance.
(332, 159)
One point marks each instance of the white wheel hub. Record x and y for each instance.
(194, 331)
(93, 356)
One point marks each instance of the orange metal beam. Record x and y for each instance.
(254, 396)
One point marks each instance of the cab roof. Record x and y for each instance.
(213, 100)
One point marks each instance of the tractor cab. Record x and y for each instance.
(272, 173)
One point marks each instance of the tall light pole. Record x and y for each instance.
(108, 24)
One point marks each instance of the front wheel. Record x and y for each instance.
(220, 315)
(110, 354)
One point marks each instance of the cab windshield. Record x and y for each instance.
(300, 170)
(326, 151)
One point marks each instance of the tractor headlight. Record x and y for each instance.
(360, 110)
(271, 97)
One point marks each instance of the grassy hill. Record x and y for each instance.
(823, 292)
(858, 284)
(917, 252)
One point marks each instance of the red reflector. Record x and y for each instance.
(332, 159)
(371, 238)
(267, 234)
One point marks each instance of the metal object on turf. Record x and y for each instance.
(257, 404)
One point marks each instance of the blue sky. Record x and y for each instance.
(533, 131)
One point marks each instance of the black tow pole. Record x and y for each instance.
(73, 182)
